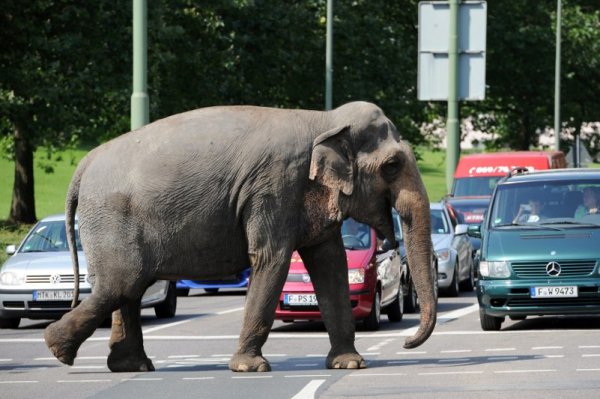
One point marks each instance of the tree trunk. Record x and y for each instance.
(22, 207)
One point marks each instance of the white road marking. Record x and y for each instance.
(500, 349)
(380, 345)
(590, 355)
(81, 381)
(377, 374)
(587, 369)
(19, 382)
(230, 311)
(252, 377)
(88, 367)
(524, 371)
(306, 364)
(411, 353)
(548, 356)
(457, 351)
(306, 375)
(463, 359)
(589, 346)
(309, 391)
(535, 348)
(140, 379)
(6, 360)
(451, 372)
(198, 378)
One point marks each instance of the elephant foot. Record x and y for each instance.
(129, 364)
(247, 363)
(346, 361)
(57, 340)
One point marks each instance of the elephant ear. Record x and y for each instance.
(332, 160)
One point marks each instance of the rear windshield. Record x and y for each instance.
(473, 186)
(48, 237)
(469, 213)
(545, 203)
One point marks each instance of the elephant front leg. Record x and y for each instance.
(328, 269)
(259, 313)
(126, 341)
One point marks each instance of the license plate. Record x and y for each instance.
(554, 292)
(300, 299)
(53, 295)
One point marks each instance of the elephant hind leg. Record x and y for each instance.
(126, 341)
(65, 336)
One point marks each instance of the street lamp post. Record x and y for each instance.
(140, 114)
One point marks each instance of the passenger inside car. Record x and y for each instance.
(591, 201)
(360, 231)
(531, 213)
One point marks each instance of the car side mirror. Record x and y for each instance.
(11, 249)
(474, 230)
(461, 229)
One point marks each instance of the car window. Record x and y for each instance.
(48, 237)
(439, 225)
(544, 203)
(469, 213)
(356, 235)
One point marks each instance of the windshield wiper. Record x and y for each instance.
(536, 226)
(572, 222)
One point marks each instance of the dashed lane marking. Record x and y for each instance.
(309, 391)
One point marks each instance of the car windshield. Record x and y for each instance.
(48, 237)
(544, 203)
(469, 213)
(472, 186)
(356, 235)
(438, 223)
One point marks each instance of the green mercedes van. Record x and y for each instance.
(540, 250)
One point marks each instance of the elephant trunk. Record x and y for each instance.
(417, 235)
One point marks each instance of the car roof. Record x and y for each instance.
(574, 174)
(483, 199)
(59, 217)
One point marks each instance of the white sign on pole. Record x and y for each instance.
(434, 26)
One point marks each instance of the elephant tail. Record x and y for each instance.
(72, 201)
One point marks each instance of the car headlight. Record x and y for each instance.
(443, 254)
(356, 276)
(12, 278)
(498, 269)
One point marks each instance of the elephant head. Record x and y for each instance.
(364, 162)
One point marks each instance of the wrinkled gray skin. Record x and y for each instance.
(205, 193)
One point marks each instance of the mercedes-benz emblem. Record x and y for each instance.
(55, 279)
(553, 269)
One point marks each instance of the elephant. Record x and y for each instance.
(205, 193)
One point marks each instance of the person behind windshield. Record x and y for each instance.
(531, 214)
(356, 229)
(591, 201)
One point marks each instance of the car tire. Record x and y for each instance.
(489, 323)
(211, 290)
(183, 291)
(167, 308)
(395, 310)
(10, 322)
(469, 284)
(371, 322)
(453, 288)
(411, 301)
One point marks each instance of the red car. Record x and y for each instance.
(375, 277)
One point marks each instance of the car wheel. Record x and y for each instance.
(453, 288)
(211, 290)
(489, 323)
(10, 322)
(395, 310)
(411, 302)
(183, 291)
(371, 323)
(167, 308)
(469, 283)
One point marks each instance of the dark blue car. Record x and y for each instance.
(239, 280)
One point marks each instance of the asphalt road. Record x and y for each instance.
(536, 358)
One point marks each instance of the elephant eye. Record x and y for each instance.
(391, 168)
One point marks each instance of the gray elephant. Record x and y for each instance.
(204, 194)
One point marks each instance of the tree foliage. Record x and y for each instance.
(65, 67)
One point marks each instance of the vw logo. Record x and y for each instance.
(553, 269)
(55, 279)
(305, 278)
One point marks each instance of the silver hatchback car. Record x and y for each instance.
(37, 281)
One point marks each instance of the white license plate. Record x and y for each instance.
(554, 292)
(300, 299)
(53, 295)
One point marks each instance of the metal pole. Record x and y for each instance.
(139, 99)
(329, 55)
(557, 78)
(452, 125)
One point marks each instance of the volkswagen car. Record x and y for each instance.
(37, 281)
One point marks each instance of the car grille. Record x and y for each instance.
(532, 302)
(48, 278)
(567, 269)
